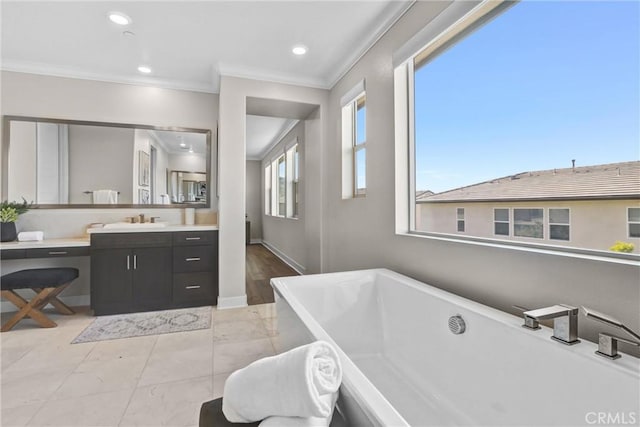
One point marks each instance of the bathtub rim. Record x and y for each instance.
(373, 400)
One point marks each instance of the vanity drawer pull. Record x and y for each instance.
(192, 259)
(192, 287)
(192, 238)
(58, 252)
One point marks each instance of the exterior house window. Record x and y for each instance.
(528, 223)
(559, 224)
(460, 219)
(501, 222)
(633, 217)
(354, 143)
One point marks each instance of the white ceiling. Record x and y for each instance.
(264, 132)
(189, 44)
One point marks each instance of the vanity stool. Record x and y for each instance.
(47, 283)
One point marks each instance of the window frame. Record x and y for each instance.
(508, 222)
(542, 227)
(351, 147)
(460, 220)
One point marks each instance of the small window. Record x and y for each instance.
(267, 190)
(293, 174)
(354, 146)
(501, 222)
(559, 224)
(281, 186)
(460, 219)
(528, 223)
(633, 216)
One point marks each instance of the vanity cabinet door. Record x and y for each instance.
(111, 280)
(152, 278)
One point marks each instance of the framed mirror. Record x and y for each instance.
(80, 164)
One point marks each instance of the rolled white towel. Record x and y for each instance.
(303, 422)
(298, 383)
(29, 236)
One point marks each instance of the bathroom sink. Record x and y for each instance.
(135, 225)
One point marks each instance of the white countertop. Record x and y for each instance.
(85, 241)
(150, 229)
(47, 243)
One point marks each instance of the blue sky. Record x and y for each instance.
(538, 86)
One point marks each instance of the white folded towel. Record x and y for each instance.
(105, 197)
(28, 236)
(303, 422)
(298, 383)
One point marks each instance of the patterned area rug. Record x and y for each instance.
(148, 323)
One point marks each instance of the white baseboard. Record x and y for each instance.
(255, 242)
(71, 300)
(286, 259)
(232, 302)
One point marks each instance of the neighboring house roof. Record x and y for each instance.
(609, 181)
(423, 194)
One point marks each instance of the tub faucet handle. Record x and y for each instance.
(608, 345)
(565, 322)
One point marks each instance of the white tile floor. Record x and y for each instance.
(157, 380)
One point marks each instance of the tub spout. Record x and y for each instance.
(565, 322)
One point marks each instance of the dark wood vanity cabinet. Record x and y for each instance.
(153, 271)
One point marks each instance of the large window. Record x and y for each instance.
(267, 190)
(292, 181)
(528, 104)
(354, 147)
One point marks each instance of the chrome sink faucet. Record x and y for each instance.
(565, 322)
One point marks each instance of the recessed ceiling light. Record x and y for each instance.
(182, 144)
(191, 149)
(144, 69)
(119, 18)
(299, 50)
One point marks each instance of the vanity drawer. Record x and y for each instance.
(13, 254)
(187, 238)
(194, 258)
(57, 252)
(130, 240)
(194, 287)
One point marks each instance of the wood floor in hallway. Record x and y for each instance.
(262, 265)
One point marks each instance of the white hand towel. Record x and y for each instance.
(29, 236)
(298, 383)
(303, 422)
(105, 197)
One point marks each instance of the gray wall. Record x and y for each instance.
(100, 159)
(360, 233)
(286, 236)
(254, 197)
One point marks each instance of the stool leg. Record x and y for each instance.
(54, 301)
(30, 309)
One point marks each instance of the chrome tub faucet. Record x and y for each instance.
(565, 322)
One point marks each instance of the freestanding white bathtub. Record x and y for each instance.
(404, 367)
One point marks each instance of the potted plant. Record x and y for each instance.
(9, 212)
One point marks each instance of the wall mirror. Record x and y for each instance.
(69, 163)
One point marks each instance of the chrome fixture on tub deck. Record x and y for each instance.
(565, 322)
(607, 343)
